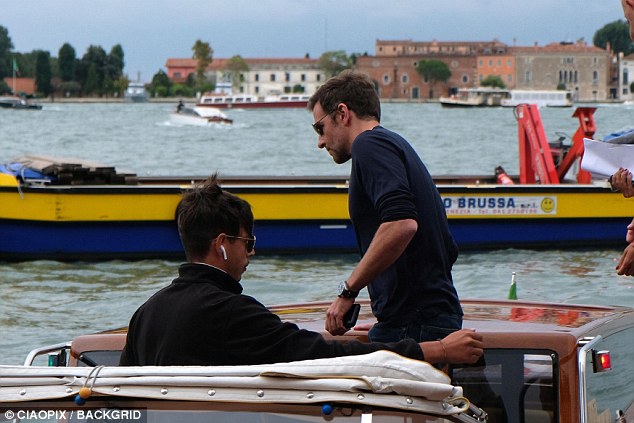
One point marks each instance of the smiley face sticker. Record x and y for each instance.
(548, 204)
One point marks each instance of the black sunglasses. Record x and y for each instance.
(249, 241)
(319, 127)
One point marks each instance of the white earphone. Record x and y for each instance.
(224, 252)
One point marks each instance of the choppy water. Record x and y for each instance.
(46, 302)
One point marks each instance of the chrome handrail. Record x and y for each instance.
(44, 350)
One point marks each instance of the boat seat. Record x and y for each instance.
(97, 349)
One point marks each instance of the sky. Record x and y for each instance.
(151, 31)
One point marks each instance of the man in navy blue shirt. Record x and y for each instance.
(407, 250)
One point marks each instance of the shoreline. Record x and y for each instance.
(159, 100)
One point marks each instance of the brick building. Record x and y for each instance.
(582, 69)
(393, 68)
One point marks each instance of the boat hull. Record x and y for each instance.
(136, 222)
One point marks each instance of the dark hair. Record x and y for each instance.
(205, 212)
(356, 90)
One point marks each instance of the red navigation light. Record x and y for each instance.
(601, 361)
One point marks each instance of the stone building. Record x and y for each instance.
(583, 70)
(626, 77)
(265, 75)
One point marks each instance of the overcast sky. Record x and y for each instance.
(151, 31)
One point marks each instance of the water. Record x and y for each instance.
(46, 302)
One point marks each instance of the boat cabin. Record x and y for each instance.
(542, 362)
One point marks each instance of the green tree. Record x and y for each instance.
(115, 63)
(203, 53)
(120, 85)
(494, 81)
(26, 63)
(6, 59)
(235, 67)
(43, 73)
(160, 85)
(617, 34)
(333, 62)
(67, 62)
(92, 83)
(91, 70)
(433, 71)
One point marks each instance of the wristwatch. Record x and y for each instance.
(344, 292)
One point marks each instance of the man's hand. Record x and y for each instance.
(463, 346)
(626, 264)
(335, 313)
(622, 181)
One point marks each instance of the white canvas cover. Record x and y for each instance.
(380, 379)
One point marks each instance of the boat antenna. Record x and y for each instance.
(513, 289)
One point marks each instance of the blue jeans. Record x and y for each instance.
(420, 330)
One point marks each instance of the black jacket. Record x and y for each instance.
(202, 318)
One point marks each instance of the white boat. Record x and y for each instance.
(136, 92)
(20, 103)
(199, 116)
(476, 97)
(542, 98)
(253, 101)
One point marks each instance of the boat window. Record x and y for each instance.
(611, 390)
(512, 385)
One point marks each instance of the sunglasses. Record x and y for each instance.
(249, 241)
(319, 127)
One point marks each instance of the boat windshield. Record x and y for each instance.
(512, 385)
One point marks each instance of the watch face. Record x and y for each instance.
(342, 288)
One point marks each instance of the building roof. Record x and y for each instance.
(221, 62)
(578, 47)
(22, 85)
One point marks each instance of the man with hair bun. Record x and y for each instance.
(203, 318)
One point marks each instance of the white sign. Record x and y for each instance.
(495, 205)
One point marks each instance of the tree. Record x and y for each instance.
(43, 73)
(203, 53)
(91, 70)
(236, 67)
(120, 85)
(433, 71)
(160, 84)
(6, 59)
(92, 83)
(4, 88)
(333, 62)
(67, 62)
(617, 34)
(494, 81)
(115, 63)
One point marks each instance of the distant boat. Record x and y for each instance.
(498, 97)
(476, 97)
(252, 101)
(542, 98)
(136, 92)
(199, 116)
(19, 103)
